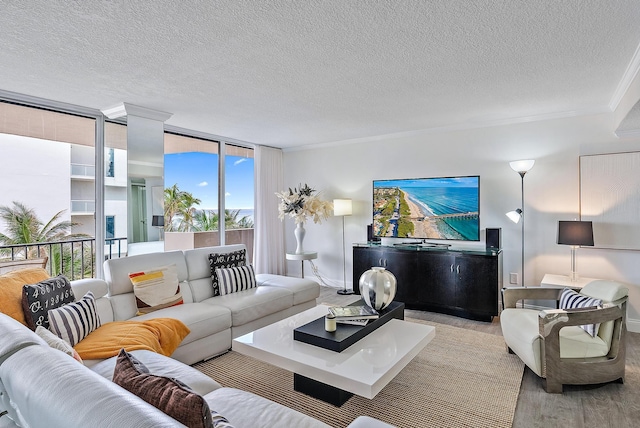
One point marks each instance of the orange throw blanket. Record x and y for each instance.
(161, 335)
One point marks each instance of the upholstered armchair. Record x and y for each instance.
(552, 342)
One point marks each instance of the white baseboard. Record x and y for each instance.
(633, 325)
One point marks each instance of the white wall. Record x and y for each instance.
(551, 192)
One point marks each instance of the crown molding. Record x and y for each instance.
(627, 78)
(126, 109)
(458, 127)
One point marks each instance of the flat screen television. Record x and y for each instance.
(441, 208)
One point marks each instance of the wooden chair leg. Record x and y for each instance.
(552, 387)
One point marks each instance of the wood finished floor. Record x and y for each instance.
(609, 405)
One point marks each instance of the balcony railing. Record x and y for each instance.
(83, 170)
(83, 206)
(74, 258)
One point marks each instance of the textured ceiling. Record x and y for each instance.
(288, 73)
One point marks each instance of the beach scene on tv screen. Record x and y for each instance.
(427, 208)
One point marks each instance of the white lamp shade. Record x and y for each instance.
(522, 165)
(515, 215)
(342, 207)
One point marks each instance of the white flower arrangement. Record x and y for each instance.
(302, 204)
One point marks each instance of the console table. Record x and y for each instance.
(551, 280)
(464, 283)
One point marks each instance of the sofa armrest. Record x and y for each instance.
(368, 422)
(511, 295)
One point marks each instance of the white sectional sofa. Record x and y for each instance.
(213, 321)
(43, 387)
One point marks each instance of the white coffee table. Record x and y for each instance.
(362, 369)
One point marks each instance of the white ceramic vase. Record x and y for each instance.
(299, 233)
(378, 287)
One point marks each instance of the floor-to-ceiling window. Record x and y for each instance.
(52, 173)
(115, 189)
(239, 195)
(47, 188)
(193, 189)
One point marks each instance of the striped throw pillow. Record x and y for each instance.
(74, 322)
(569, 299)
(236, 279)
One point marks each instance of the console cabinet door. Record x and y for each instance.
(476, 284)
(402, 264)
(364, 259)
(435, 280)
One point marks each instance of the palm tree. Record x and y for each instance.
(172, 198)
(187, 211)
(179, 205)
(231, 220)
(24, 227)
(245, 223)
(206, 220)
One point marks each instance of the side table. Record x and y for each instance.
(306, 255)
(551, 280)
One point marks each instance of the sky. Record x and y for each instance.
(430, 182)
(197, 173)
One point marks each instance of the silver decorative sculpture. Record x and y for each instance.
(378, 287)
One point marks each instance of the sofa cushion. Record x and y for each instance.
(303, 289)
(156, 288)
(74, 322)
(252, 304)
(201, 319)
(224, 261)
(197, 261)
(607, 291)
(38, 299)
(167, 394)
(56, 343)
(116, 271)
(225, 401)
(11, 290)
(161, 335)
(163, 366)
(234, 279)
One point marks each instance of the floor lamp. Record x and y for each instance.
(521, 167)
(343, 207)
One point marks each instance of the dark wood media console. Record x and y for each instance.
(464, 283)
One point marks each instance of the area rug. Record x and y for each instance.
(463, 378)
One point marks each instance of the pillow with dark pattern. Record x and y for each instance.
(223, 261)
(38, 299)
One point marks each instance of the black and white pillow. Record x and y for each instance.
(236, 279)
(38, 299)
(74, 322)
(225, 260)
(569, 299)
